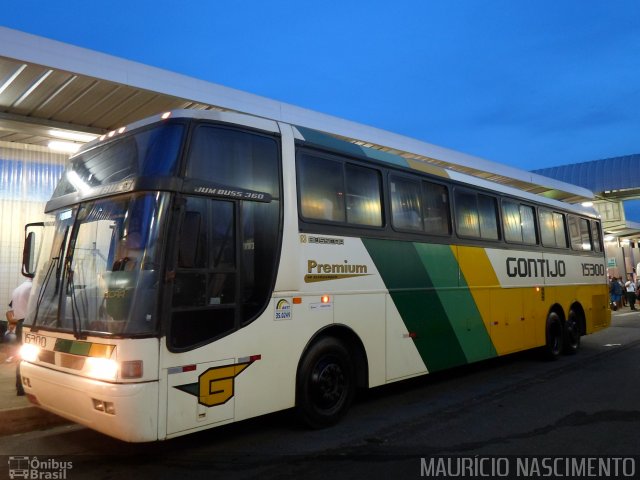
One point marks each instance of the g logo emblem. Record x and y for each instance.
(216, 384)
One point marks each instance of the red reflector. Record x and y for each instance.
(32, 399)
(253, 358)
(131, 369)
(188, 368)
(413, 334)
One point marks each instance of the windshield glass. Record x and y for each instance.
(102, 272)
(150, 152)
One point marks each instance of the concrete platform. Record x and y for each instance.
(17, 415)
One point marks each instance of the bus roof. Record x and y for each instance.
(344, 146)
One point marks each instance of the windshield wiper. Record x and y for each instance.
(45, 282)
(56, 262)
(76, 320)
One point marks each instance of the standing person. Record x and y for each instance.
(631, 293)
(18, 305)
(615, 291)
(622, 289)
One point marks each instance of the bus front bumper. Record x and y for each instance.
(127, 411)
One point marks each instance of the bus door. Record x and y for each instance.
(204, 306)
(220, 280)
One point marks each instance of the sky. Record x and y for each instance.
(531, 84)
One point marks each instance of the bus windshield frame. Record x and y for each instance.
(102, 274)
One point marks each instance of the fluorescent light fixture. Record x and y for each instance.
(67, 147)
(72, 136)
(609, 238)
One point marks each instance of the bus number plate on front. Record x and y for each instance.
(38, 340)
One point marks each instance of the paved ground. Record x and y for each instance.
(16, 413)
(515, 406)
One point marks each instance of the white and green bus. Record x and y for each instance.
(201, 268)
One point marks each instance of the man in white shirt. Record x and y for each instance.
(630, 286)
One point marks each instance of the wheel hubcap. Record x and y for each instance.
(328, 384)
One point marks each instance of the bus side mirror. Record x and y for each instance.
(30, 250)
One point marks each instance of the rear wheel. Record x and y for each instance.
(325, 383)
(571, 342)
(553, 345)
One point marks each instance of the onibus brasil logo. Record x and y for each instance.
(35, 468)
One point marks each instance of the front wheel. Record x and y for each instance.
(325, 383)
(571, 342)
(553, 346)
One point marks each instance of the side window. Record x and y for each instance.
(511, 222)
(204, 287)
(419, 206)
(226, 249)
(476, 215)
(363, 196)
(468, 223)
(406, 210)
(234, 158)
(225, 267)
(436, 208)
(527, 216)
(560, 230)
(334, 191)
(579, 233)
(488, 210)
(595, 236)
(321, 186)
(552, 229)
(518, 222)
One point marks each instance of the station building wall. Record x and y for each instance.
(28, 176)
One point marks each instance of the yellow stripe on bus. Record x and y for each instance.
(500, 308)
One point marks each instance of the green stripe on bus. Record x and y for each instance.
(417, 301)
(63, 345)
(333, 143)
(73, 347)
(458, 303)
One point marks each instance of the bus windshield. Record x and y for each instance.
(102, 274)
(149, 152)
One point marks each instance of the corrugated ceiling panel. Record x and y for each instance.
(87, 107)
(66, 92)
(114, 113)
(41, 95)
(160, 103)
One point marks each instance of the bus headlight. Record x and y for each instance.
(101, 368)
(29, 352)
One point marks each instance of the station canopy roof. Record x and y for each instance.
(616, 178)
(51, 90)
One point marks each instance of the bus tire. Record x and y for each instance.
(571, 341)
(553, 346)
(325, 384)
